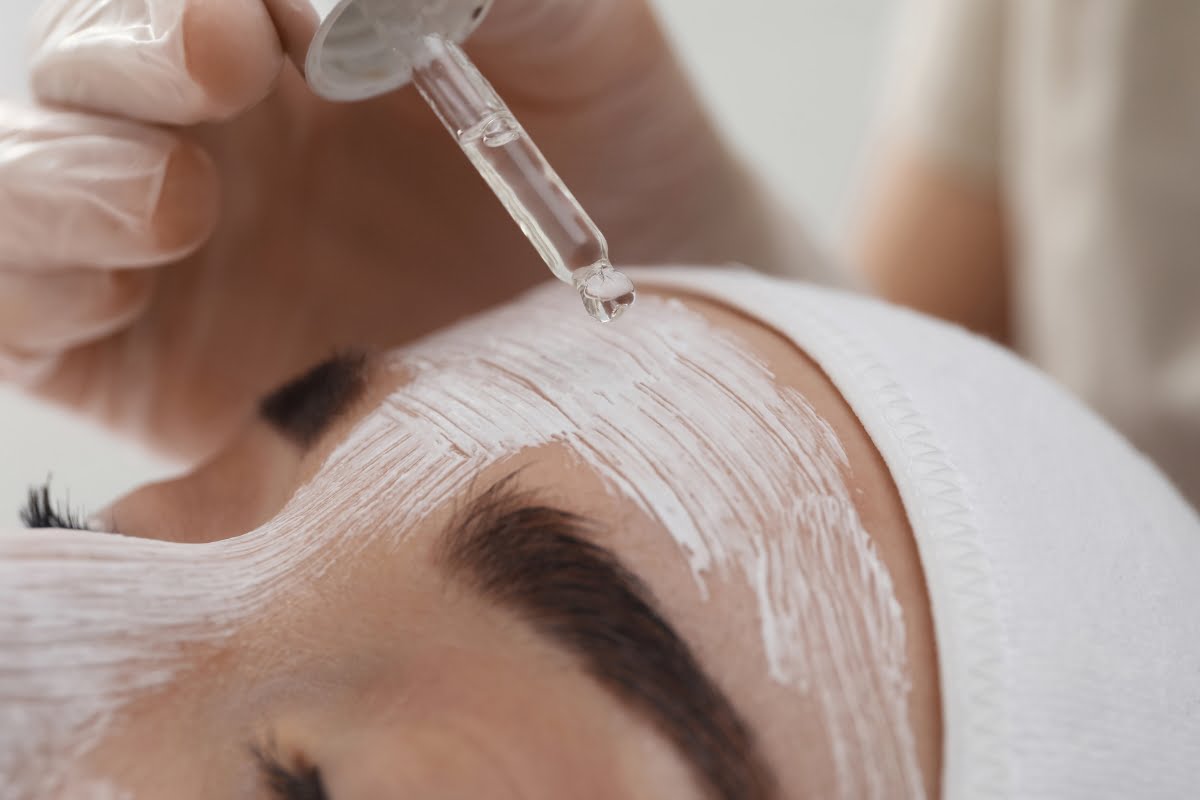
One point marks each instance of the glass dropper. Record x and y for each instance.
(552, 219)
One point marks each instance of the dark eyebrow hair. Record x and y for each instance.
(307, 406)
(537, 561)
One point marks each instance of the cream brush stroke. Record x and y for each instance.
(671, 413)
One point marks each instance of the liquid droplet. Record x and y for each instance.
(606, 293)
(496, 130)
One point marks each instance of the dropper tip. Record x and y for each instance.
(607, 293)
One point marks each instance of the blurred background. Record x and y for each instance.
(796, 89)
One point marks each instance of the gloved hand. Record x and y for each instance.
(162, 279)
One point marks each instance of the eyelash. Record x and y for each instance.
(43, 511)
(288, 783)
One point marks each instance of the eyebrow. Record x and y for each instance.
(538, 561)
(306, 407)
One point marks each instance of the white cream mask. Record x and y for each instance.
(669, 412)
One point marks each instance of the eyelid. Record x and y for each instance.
(542, 563)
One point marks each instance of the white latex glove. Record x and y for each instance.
(84, 202)
(163, 279)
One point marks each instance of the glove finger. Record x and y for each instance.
(49, 312)
(176, 62)
(77, 190)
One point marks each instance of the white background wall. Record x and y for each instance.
(794, 83)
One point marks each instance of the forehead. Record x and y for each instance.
(677, 416)
(673, 413)
(667, 410)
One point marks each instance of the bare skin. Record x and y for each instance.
(936, 239)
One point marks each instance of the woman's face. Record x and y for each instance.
(528, 558)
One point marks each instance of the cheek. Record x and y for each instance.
(309, 652)
(195, 736)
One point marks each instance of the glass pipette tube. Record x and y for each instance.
(541, 204)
